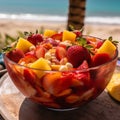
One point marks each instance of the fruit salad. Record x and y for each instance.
(61, 70)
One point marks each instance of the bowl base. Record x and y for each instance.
(64, 109)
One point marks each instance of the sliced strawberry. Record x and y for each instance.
(40, 51)
(84, 65)
(55, 83)
(62, 45)
(32, 52)
(57, 36)
(15, 55)
(29, 58)
(50, 82)
(99, 43)
(78, 33)
(100, 59)
(81, 80)
(60, 52)
(77, 54)
(35, 38)
(51, 41)
(29, 76)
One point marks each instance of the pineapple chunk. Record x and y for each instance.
(67, 35)
(23, 44)
(49, 33)
(113, 87)
(107, 47)
(42, 65)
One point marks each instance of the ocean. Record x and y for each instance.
(97, 11)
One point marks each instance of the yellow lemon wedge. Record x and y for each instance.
(113, 87)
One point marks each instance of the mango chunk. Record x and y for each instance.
(67, 35)
(107, 47)
(42, 65)
(113, 86)
(49, 33)
(23, 44)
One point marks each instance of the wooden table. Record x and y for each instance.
(15, 107)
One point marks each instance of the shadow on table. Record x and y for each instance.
(102, 108)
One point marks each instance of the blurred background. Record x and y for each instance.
(97, 11)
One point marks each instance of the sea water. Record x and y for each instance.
(97, 11)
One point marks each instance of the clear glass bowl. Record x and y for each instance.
(61, 90)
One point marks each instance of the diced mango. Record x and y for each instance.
(23, 44)
(107, 47)
(55, 67)
(67, 35)
(42, 65)
(49, 33)
(113, 87)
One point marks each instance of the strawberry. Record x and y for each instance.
(54, 83)
(60, 52)
(100, 58)
(28, 59)
(40, 51)
(57, 36)
(99, 43)
(78, 33)
(51, 41)
(77, 54)
(83, 76)
(15, 55)
(30, 77)
(84, 65)
(35, 38)
(32, 52)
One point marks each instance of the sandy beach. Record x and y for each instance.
(12, 27)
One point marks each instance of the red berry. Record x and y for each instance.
(35, 39)
(40, 51)
(57, 36)
(78, 33)
(32, 52)
(15, 55)
(99, 43)
(30, 77)
(100, 59)
(84, 65)
(60, 52)
(29, 58)
(51, 41)
(77, 54)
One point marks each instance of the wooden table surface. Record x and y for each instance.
(13, 106)
(102, 108)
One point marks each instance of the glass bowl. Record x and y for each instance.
(61, 90)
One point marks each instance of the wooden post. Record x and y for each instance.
(76, 13)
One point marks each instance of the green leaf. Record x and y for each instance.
(71, 28)
(115, 42)
(81, 41)
(7, 49)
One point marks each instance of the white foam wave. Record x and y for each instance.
(57, 18)
(103, 20)
(33, 17)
